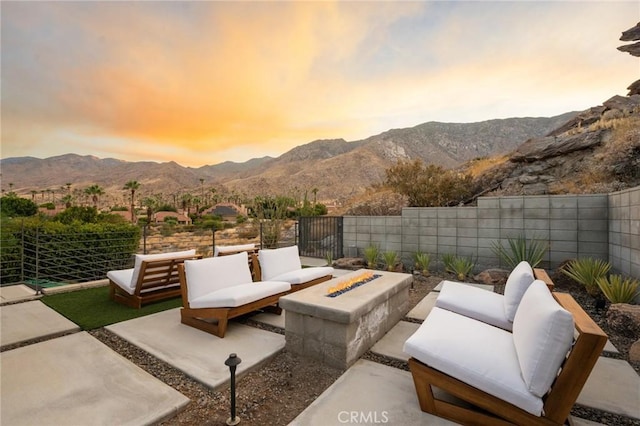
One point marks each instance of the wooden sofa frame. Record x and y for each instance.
(557, 403)
(256, 272)
(201, 318)
(157, 280)
(541, 274)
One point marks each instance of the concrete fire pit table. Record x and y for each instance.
(338, 330)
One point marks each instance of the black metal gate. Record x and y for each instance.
(320, 236)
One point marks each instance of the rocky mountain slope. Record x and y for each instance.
(598, 151)
(337, 168)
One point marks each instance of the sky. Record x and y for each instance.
(205, 82)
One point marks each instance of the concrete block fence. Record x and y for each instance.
(605, 226)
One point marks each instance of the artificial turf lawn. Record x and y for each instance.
(92, 308)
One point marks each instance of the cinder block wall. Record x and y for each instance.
(573, 225)
(624, 231)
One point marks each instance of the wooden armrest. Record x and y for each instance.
(541, 274)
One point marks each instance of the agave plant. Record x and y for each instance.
(371, 254)
(618, 289)
(587, 271)
(520, 249)
(447, 261)
(390, 258)
(462, 266)
(423, 260)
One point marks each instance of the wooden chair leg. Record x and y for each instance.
(423, 389)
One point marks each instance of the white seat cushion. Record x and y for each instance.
(517, 284)
(205, 276)
(139, 258)
(238, 295)
(476, 353)
(304, 275)
(543, 334)
(122, 278)
(231, 249)
(473, 302)
(276, 262)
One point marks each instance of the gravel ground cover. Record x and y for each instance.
(283, 387)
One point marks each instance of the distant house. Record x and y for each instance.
(182, 219)
(228, 211)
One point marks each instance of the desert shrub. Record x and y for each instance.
(371, 254)
(587, 271)
(390, 258)
(520, 249)
(14, 206)
(618, 289)
(422, 262)
(447, 261)
(462, 267)
(428, 186)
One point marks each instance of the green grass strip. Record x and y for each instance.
(92, 308)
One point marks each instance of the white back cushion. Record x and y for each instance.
(159, 256)
(278, 261)
(214, 273)
(517, 284)
(542, 335)
(230, 249)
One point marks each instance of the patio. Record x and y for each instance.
(77, 379)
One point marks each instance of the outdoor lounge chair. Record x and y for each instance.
(487, 306)
(220, 288)
(154, 277)
(284, 264)
(512, 378)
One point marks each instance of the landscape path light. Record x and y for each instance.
(232, 362)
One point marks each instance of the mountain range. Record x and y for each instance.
(336, 168)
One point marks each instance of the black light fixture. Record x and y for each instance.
(232, 362)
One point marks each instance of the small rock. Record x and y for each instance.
(492, 276)
(634, 352)
(624, 319)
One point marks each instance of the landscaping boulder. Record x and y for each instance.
(351, 263)
(624, 319)
(492, 276)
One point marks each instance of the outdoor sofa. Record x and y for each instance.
(219, 288)
(153, 277)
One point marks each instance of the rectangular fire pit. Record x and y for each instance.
(338, 330)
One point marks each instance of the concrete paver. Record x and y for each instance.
(198, 354)
(77, 380)
(271, 319)
(16, 293)
(613, 386)
(369, 393)
(22, 322)
(422, 309)
(392, 342)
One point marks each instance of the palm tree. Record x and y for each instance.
(94, 191)
(67, 200)
(132, 186)
(186, 203)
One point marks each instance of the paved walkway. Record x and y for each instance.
(75, 379)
